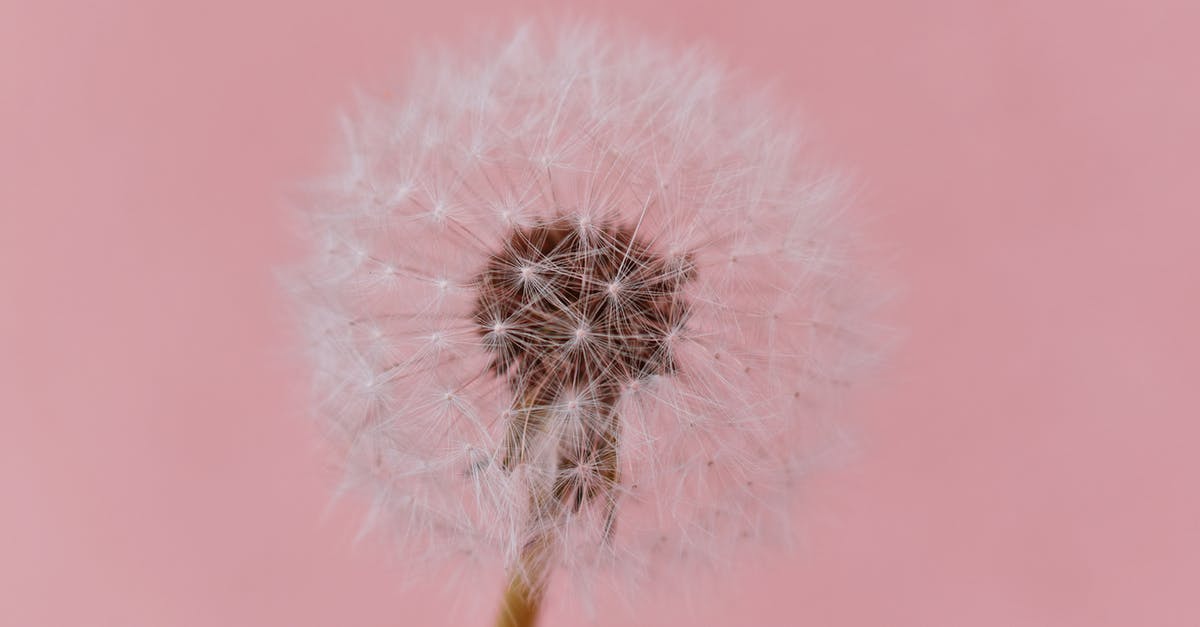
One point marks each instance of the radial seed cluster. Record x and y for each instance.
(580, 289)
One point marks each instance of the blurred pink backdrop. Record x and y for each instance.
(1029, 458)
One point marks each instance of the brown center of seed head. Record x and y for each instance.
(571, 312)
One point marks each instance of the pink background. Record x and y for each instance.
(1030, 458)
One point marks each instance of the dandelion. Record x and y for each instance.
(577, 306)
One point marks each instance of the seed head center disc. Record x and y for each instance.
(569, 303)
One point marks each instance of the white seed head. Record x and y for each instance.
(612, 278)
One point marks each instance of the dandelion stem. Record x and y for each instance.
(527, 584)
(528, 577)
(522, 601)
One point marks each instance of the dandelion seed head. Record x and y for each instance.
(579, 265)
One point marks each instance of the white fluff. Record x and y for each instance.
(601, 128)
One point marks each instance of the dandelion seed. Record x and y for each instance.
(615, 299)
